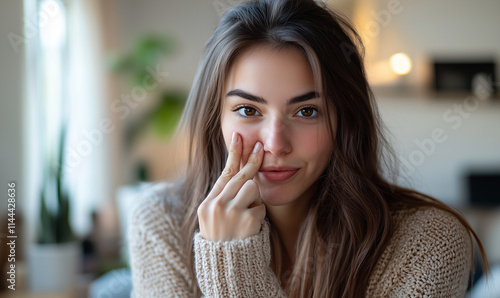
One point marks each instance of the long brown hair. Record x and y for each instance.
(352, 213)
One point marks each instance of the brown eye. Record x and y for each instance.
(247, 111)
(307, 112)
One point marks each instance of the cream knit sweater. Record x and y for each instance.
(428, 256)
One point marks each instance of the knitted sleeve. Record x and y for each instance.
(237, 268)
(157, 263)
(429, 255)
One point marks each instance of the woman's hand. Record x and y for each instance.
(233, 208)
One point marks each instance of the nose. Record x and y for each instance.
(275, 137)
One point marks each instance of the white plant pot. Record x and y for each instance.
(53, 267)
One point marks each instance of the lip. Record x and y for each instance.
(277, 173)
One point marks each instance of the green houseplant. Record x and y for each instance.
(53, 261)
(55, 224)
(159, 121)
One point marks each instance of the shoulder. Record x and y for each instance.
(155, 227)
(157, 208)
(158, 259)
(430, 252)
(430, 227)
(427, 219)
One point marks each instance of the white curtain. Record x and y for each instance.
(88, 162)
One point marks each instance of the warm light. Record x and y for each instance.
(400, 63)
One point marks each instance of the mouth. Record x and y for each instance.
(277, 174)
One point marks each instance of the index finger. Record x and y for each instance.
(231, 168)
(246, 173)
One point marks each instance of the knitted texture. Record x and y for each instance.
(428, 256)
(245, 263)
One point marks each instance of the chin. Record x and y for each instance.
(275, 203)
(276, 198)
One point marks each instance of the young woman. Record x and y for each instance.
(283, 194)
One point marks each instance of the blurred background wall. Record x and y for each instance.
(424, 30)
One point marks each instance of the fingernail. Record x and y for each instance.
(234, 138)
(257, 147)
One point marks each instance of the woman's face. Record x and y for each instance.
(271, 98)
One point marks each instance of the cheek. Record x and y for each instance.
(248, 135)
(316, 145)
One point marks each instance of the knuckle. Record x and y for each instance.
(232, 211)
(227, 172)
(240, 176)
(218, 205)
(202, 206)
(232, 150)
(201, 210)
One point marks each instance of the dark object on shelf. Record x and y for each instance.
(484, 189)
(458, 76)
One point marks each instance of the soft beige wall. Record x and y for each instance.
(442, 139)
(189, 23)
(11, 101)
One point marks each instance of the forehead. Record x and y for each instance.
(271, 72)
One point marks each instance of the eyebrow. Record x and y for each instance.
(293, 100)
